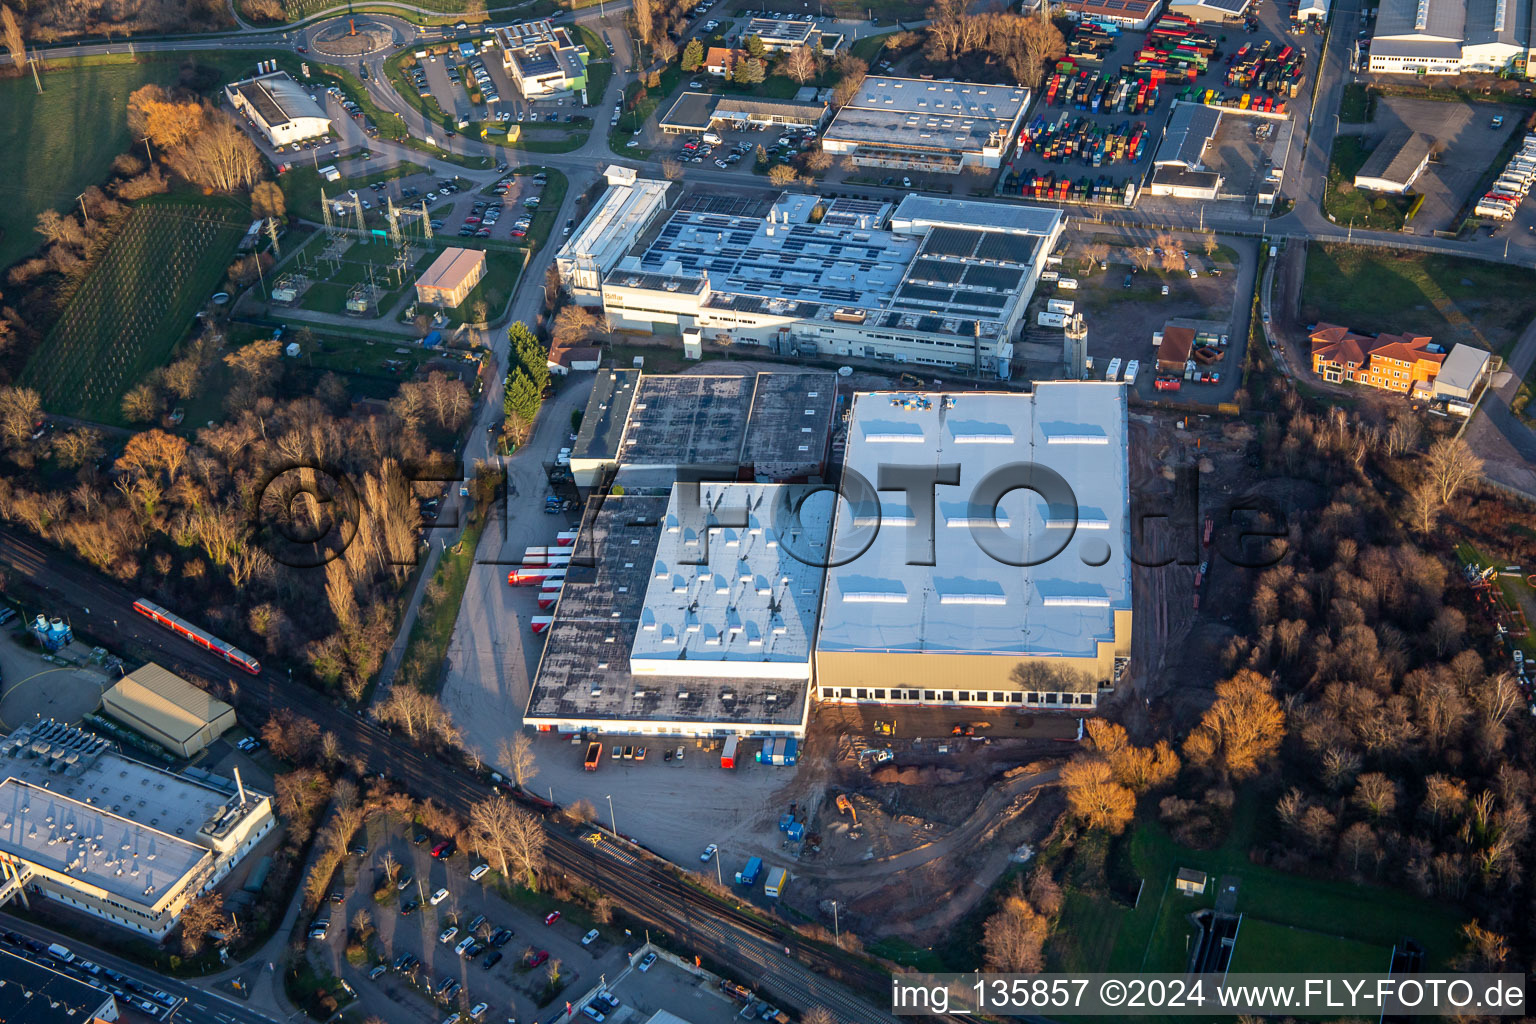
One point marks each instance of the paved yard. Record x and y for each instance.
(509, 988)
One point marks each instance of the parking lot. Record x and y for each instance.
(1466, 142)
(448, 78)
(503, 211)
(427, 912)
(724, 148)
(1068, 139)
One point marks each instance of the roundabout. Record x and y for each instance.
(358, 35)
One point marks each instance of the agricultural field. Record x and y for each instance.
(1446, 297)
(136, 304)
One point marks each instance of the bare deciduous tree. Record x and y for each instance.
(1452, 465)
(1095, 796)
(798, 64)
(1014, 938)
(516, 755)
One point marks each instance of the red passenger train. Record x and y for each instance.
(203, 639)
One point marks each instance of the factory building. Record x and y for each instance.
(938, 282)
(703, 111)
(1451, 37)
(627, 209)
(280, 108)
(980, 593)
(915, 124)
(648, 641)
(651, 430)
(113, 837)
(31, 993)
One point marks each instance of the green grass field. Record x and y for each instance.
(1099, 934)
(1449, 298)
(47, 154)
(1263, 946)
(136, 304)
(1349, 205)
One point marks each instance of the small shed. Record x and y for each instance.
(1190, 882)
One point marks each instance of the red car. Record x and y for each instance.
(443, 850)
(1167, 383)
(554, 915)
(534, 957)
(471, 219)
(518, 232)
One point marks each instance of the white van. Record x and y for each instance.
(712, 138)
(61, 953)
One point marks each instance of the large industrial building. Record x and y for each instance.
(31, 993)
(542, 59)
(938, 282)
(1450, 37)
(169, 710)
(791, 33)
(651, 430)
(627, 209)
(932, 126)
(627, 654)
(280, 107)
(112, 837)
(1010, 587)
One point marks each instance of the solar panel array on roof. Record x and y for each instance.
(1001, 278)
(1013, 248)
(927, 294)
(951, 242)
(929, 324)
(938, 270)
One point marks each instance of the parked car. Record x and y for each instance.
(645, 965)
(439, 896)
(492, 959)
(478, 872)
(589, 938)
(318, 931)
(709, 852)
(535, 957)
(552, 917)
(448, 934)
(444, 849)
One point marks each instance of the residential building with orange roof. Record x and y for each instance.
(1405, 363)
(720, 60)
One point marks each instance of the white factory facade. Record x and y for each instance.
(280, 107)
(936, 282)
(120, 840)
(1451, 37)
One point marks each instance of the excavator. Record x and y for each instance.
(845, 806)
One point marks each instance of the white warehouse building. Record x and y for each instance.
(1450, 37)
(280, 107)
(938, 282)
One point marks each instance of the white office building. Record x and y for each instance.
(629, 206)
(280, 107)
(1449, 37)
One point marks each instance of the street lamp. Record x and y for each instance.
(718, 878)
(611, 820)
(837, 932)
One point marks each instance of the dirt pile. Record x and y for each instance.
(890, 775)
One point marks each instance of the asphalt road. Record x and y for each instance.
(196, 1005)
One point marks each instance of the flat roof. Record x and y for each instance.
(33, 994)
(790, 424)
(808, 110)
(782, 31)
(451, 269)
(687, 420)
(945, 266)
(1132, 9)
(279, 99)
(1226, 6)
(691, 111)
(1397, 158)
(130, 860)
(165, 702)
(962, 117)
(726, 587)
(584, 673)
(1177, 175)
(1430, 19)
(602, 425)
(968, 602)
(145, 802)
(612, 226)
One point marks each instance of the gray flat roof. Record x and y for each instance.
(1190, 129)
(1178, 175)
(914, 113)
(1462, 367)
(584, 673)
(1442, 19)
(687, 420)
(33, 994)
(918, 211)
(602, 425)
(967, 601)
(692, 111)
(790, 424)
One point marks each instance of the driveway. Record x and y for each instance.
(1507, 445)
